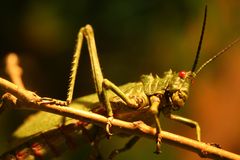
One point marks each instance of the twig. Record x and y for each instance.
(24, 99)
(14, 70)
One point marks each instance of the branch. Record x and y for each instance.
(14, 70)
(20, 98)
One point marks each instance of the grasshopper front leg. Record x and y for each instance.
(155, 102)
(188, 122)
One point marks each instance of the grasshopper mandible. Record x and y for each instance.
(148, 97)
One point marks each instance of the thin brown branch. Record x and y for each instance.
(14, 70)
(24, 99)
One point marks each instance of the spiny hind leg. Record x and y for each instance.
(155, 102)
(98, 78)
(101, 84)
(72, 77)
(86, 32)
(48, 100)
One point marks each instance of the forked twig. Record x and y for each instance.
(24, 99)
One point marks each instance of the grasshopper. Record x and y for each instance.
(143, 100)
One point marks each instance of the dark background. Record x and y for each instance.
(133, 38)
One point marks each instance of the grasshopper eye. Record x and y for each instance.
(182, 74)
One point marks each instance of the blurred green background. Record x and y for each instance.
(133, 38)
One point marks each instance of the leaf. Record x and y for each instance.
(43, 128)
(44, 121)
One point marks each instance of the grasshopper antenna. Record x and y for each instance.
(200, 41)
(218, 54)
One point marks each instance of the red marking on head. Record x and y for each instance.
(182, 74)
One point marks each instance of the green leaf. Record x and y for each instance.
(43, 121)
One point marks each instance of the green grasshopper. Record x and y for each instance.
(143, 100)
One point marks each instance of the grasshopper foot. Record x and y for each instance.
(108, 127)
(158, 144)
(204, 153)
(215, 145)
(47, 100)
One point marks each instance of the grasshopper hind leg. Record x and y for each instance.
(101, 84)
(48, 100)
(86, 32)
(72, 77)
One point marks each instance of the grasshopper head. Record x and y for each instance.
(178, 89)
(172, 89)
